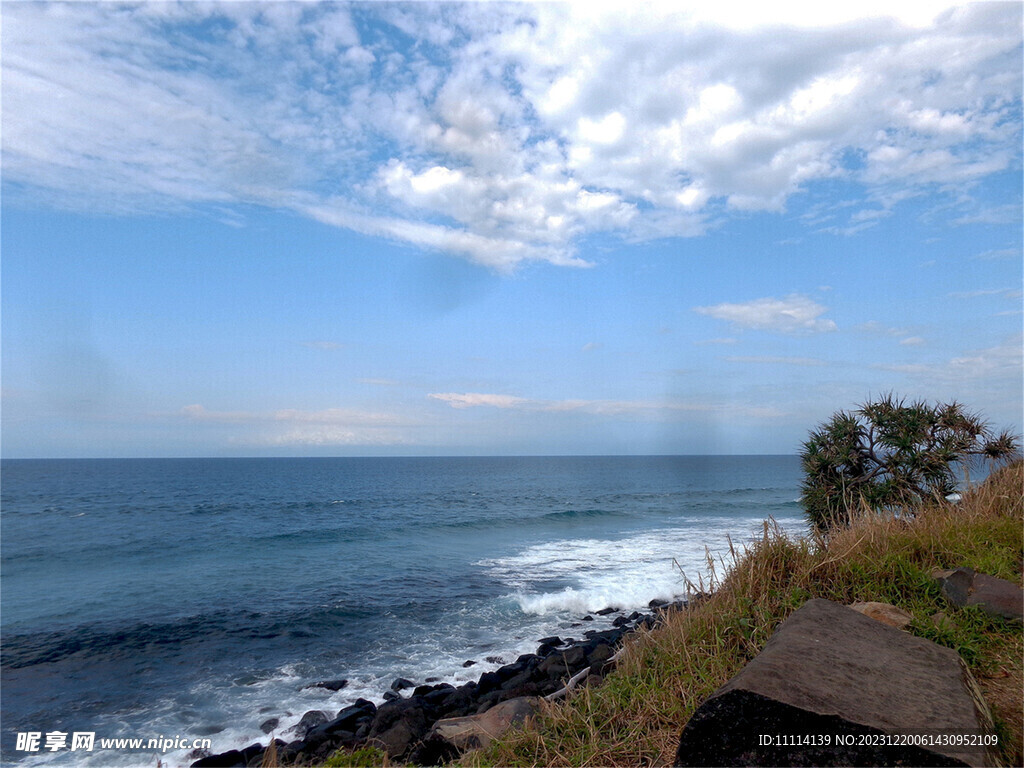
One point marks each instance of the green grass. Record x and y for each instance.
(635, 717)
(365, 757)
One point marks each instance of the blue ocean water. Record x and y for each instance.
(199, 597)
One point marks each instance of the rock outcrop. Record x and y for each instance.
(475, 731)
(997, 597)
(833, 687)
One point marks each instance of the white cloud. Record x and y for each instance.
(505, 133)
(793, 314)
(999, 363)
(289, 426)
(614, 408)
(476, 399)
(911, 341)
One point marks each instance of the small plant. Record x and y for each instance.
(889, 455)
(366, 757)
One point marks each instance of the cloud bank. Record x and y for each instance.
(503, 133)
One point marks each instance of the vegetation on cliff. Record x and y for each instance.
(891, 455)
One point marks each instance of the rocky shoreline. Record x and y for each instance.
(401, 725)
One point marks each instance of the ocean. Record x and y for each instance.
(153, 598)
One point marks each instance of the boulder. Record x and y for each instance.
(829, 673)
(230, 759)
(476, 731)
(886, 613)
(398, 726)
(309, 721)
(997, 597)
(400, 684)
(269, 724)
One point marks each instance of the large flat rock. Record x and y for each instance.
(831, 675)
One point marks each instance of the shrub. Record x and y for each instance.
(889, 455)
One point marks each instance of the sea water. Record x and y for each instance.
(201, 597)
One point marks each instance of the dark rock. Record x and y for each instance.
(398, 725)
(588, 617)
(391, 695)
(289, 752)
(269, 724)
(575, 657)
(553, 640)
(309, 721)
(561, 664)
(526, 658)
(997, 597)
(253, 750)
(400, 684)
(468, 663)
(955, 584)
(601, 653)
(829, 671)
(634, 616)
(230, 759)
(196, 754)
(657, 603)
(545, 650)
(511, 670)
(348, 719)
(487, 699)
(494, 660)
(621, 621)
(489, 681)
(330, 685)
(515, 682)
(432, 680)
(434, 750)
(606, 611)
(422, 690)
(437, 698)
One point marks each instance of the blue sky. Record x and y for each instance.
(386, 229)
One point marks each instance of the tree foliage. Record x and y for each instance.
(889, 455)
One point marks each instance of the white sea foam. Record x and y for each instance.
(577, 576)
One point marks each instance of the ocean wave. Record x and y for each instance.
(583, 514)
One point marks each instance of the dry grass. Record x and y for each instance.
(635, 717)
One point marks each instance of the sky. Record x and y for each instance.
(333, 229)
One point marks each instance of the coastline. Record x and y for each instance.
(400, 723)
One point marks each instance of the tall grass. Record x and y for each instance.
(635, 717)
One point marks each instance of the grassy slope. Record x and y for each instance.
(635, 717)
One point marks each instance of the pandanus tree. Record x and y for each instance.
(890, 455)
